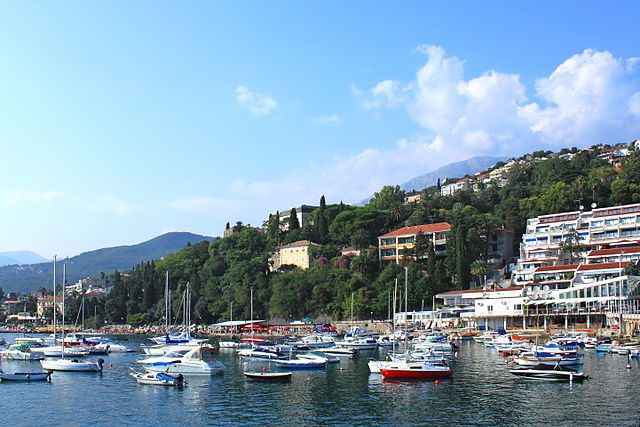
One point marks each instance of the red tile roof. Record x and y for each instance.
(603, 266)
(615, 251)
(428, 228)
(557, 268)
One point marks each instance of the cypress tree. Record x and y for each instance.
(294, 224)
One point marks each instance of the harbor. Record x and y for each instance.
(481, 391)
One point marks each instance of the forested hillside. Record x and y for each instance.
(224, 271)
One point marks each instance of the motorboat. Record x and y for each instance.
(60, 351)
(414, 370)
(530, 358)
(22, 352)
(550, 373)
(229, 344)
(313, 342)
(157, 378)
(72, 365)
(198, 361)
(326, 357)
(261, 353)
(339, 351)
(170, 357)
(25, 376)
(359, 344)
(268, 376)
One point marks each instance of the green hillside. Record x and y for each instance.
(27, 278)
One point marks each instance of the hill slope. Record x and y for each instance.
(26, 278)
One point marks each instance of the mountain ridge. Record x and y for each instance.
(30, 277)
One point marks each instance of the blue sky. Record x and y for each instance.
(120, 121)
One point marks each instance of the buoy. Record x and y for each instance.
(436, 382)
(111, 365)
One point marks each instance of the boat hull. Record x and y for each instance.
(408, 373)
(268, 376)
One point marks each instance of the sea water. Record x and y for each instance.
(481, 392)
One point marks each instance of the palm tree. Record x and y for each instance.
(478, 268)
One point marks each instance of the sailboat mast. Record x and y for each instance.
(64, 279)
(252, 314)
(55, 308)
(166, 303)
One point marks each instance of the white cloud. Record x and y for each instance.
(332, 119)
(29, 196)
(256, 103)
(590, 98)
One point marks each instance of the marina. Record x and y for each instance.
(481, 391)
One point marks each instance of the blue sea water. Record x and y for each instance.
(481, 392)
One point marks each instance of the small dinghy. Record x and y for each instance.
(72, 365)
(25, 376)
(157, 378)
(268, 376)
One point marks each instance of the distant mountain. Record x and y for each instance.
(20, 257)
(452, 170)
(27, 278)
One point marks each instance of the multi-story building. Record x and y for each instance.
(47, 302)
(569, 237)
(462, 184)
(296, 253)
(391, 245)
(583, 283)
(302, 213)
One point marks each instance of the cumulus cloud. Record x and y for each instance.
(590, 98)
(332, 119)
(256, 103)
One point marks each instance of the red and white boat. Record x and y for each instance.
(414, 370)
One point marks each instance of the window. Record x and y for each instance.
(517, 307)
(490, 308)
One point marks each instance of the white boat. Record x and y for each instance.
(157, 378)
(530, 358)
(261, 353)
(548, 373)
(339, 351)
(303, 363)
(72, 365)
(198, 361)
(60, 351)
(120, 348)
(172, 356)
(25, 376)
(229, 344)
(21, 352)
(326, 358)
(313, 342)
(359, 344)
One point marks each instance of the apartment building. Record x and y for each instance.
(392, 245)
(610, 228)
(296, 253)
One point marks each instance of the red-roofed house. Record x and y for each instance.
(391, 245)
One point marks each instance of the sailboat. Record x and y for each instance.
(63, 364)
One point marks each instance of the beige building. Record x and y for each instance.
(296, 253)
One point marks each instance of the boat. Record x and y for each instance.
(157, 378)
(197, 361)
(302, 363)
(25, 376)
(268, 376)
(261, 353)
(530, 358)
(338, 351)
(72, 365)
(21, 352)
(312, 342)
(549, 373)
(414, 370)
(326, 357)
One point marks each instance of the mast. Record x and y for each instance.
(166, 303)
(395, 293)
(55, 309)
(252, 343)
(64, 279)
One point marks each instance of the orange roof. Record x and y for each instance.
(615, 251)
(428, 228)
(557, 268)
(603, 265)
(300, 243)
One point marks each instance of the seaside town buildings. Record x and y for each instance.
(296, 253)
